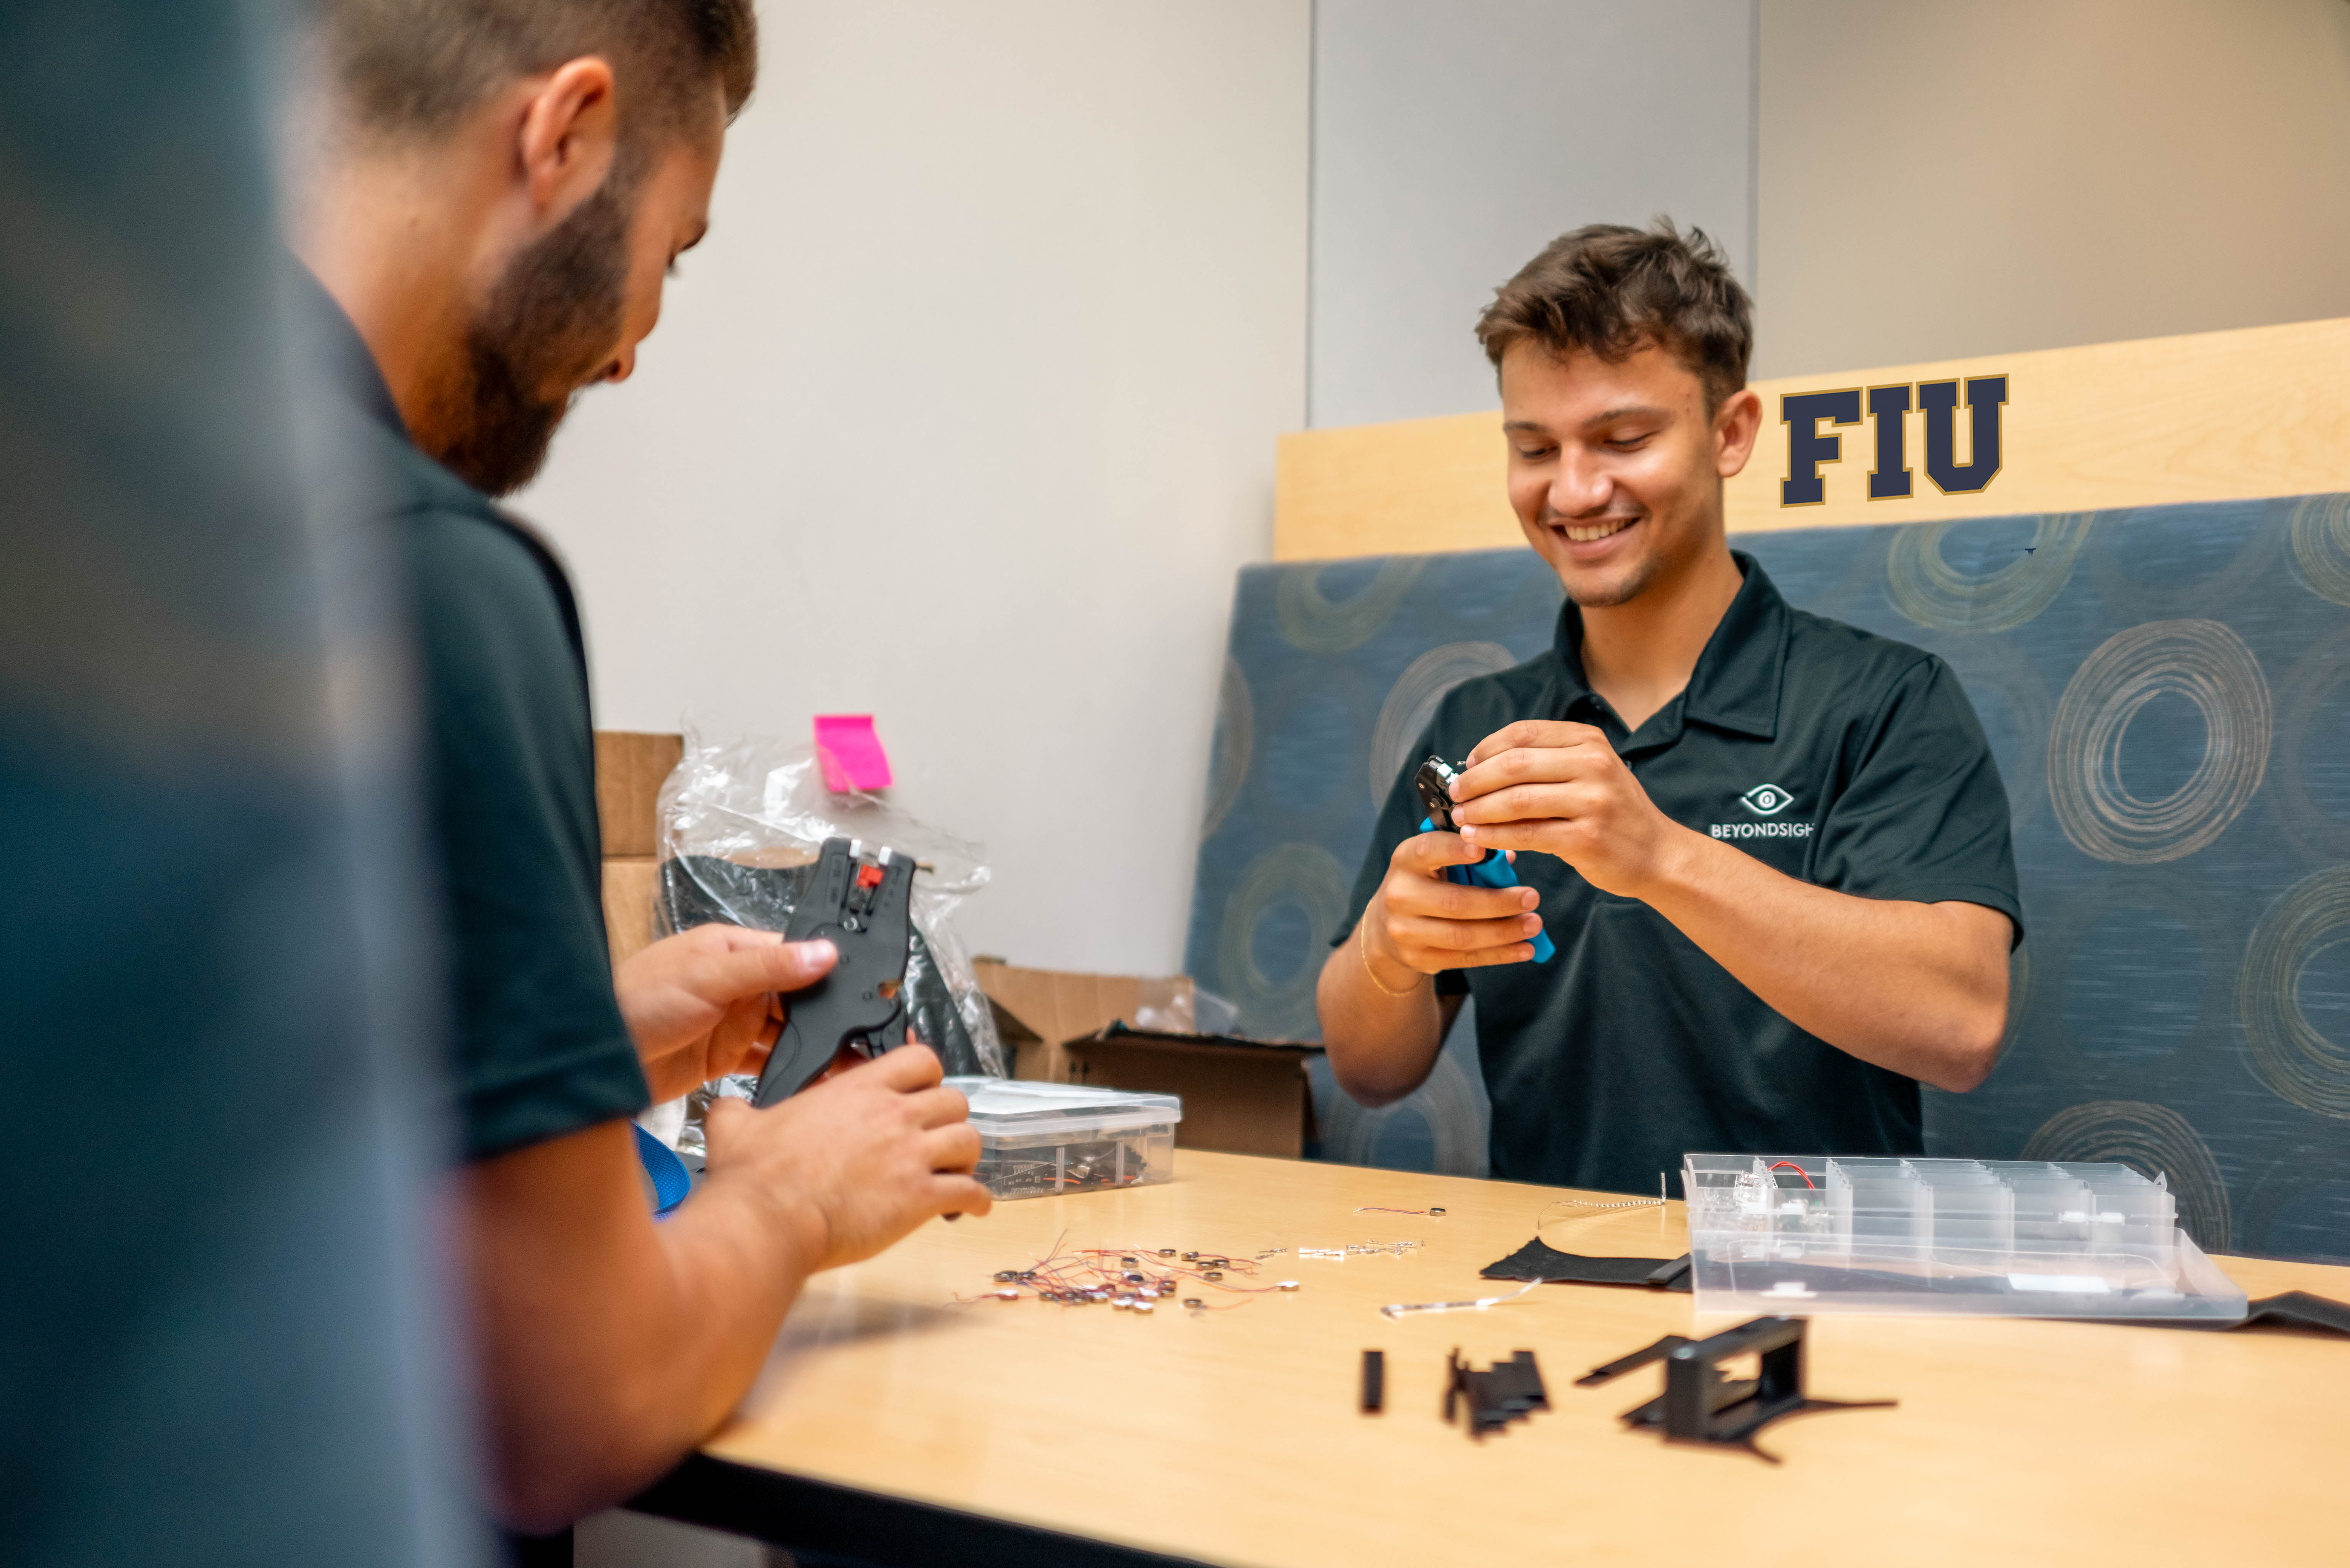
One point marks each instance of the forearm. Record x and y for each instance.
(610, 1345)
(732, 1270)
(1918, 989)
(1382, 1045)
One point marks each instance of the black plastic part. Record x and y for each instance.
(2295, 1309)
(1517, 1384)
(1504, 1392)
(1632, 1363)
(1672, 1276)
(1702, 1406)
(1375, 1381)
(1539, 1260)
(860, 1004)
(2302, 1308)
(1434, 782)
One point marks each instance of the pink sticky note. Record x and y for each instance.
(851, 753)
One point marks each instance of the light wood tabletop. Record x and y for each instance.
(1235, 1437)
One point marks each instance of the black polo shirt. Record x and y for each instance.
(539, 1046)
(1842, 758)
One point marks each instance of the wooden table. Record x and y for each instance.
(892, 1425)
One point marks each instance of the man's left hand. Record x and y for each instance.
(707, 1002)
(1560, 789)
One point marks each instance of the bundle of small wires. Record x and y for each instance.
(1131, 1279)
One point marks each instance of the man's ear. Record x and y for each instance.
(570, 135)
(1735, 425)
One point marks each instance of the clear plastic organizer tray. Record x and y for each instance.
(1039, 1139)
(1808, 1233)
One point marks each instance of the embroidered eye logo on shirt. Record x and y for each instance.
(1766, 800)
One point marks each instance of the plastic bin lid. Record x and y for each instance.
(1003, 1107)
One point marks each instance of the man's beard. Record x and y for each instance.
(551, 324)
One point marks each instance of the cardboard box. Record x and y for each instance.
(1239, 1097)
(631, 883)
(1037, 1009)
(630, 768)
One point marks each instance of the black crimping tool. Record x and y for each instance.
(860, 905)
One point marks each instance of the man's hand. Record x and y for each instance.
(1421, 923)
(855, 1161)
(1918, 989)
(607, 1345)
(1562, 790)
(705, 1002)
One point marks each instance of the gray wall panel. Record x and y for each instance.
(1452, 141)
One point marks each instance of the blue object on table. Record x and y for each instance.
(672, 1183)
(1493, 872)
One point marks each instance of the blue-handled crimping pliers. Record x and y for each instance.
(1434, 782)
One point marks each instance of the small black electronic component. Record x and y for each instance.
(1434, 783)
(861, 904)
(1701, 1405)
(1375, 1382)
(1504, 1392)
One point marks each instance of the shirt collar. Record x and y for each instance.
(1736, 685)
(349, 364)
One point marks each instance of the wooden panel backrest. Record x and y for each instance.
(2214, 416)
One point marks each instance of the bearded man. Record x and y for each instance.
(1771, 850)
(489, 192)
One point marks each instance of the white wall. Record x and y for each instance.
(964, 416)
(1943, 181)
(1453, 140)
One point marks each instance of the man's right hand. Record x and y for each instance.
(858, 1160)
(1421, 922)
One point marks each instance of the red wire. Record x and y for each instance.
(1799, 1170)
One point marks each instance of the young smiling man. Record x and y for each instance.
(488, 195)
(1772, 849)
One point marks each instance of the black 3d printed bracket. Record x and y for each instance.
(1701, 1405)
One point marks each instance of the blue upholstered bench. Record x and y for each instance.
(2167, 691)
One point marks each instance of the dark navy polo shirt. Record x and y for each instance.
(1845, 759)
(540, 1049)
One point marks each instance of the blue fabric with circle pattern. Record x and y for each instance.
(2168, 693)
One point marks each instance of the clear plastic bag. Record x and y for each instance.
(741, 823)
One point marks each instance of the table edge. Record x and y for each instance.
(802, 1514)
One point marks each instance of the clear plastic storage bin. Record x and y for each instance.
(1809, 1233)
(1038, 1139)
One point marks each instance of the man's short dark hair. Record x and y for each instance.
(414, 68)
(1610, 290)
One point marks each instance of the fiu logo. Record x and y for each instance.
(1888, 408)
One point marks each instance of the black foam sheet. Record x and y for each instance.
(1538, 1261)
